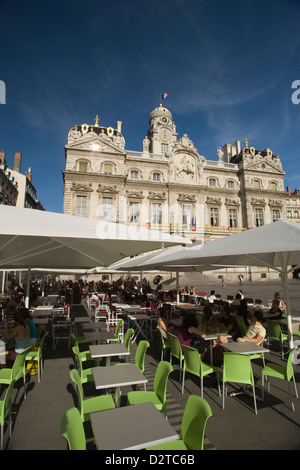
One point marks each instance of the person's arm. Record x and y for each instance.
(10, 334)
(256, 340)
(195, 331)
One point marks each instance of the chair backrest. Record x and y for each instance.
(41, 331)
(274, 330)
(128, 335)
(237, 368)
(18, 366)
(196, 413)
(163, 370)
(241, 323)
(140, 355)
(75, 377)
(192, 361)
(118, 327)
(289, 366)
(41, 344)
(175, 346)
(72, 429)
(75, 350)
(6, 403)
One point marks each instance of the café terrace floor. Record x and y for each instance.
(36, 423)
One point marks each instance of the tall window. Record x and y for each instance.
(214, 216)
(276, 215)
(164, 148)
(82, 166)
(259, 217)
(212, 182)
(156, 176)
(134, 212)
(187, 214)
(232, 218)
(107, 208)
(81, 206)
(156, 213)
(230, 184)
(134, 174)
(107, 168)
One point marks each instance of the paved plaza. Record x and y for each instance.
(276, 427)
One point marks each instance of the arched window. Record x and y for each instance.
(212, 182)
(134, 174)
(108, 168)
(156, 177)
(230, 184)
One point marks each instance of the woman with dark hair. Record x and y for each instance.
(20, 333)
(190, 335)
(29, 321)
(244, 311)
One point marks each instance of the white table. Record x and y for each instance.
(244, 348)
(132, 427)
(118, 376)
(99, 335)
(108, 351)
(213, 336)
(140, 320)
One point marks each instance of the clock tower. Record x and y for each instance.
(162, 133)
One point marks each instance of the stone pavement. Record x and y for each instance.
(37, 418)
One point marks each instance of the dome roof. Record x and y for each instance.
(160, 111)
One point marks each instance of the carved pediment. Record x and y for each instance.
(82, 187)
(276, 203)
(186, 198)
(107, 189)
(135, 194)
(267, 163)
(103, 144)
(213, 200)
(255, 201)
(232, 202)
(157, 196)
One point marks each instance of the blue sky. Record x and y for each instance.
(228, 65)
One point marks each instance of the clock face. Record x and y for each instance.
(164, 134)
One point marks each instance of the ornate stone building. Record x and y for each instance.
(170, 186)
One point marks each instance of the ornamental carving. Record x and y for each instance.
(213, 200)
(232, 202)
(255, 201)
(87, 188)
(275, 203)
(135, 194)
(186, 198)
(157, 196)
(107, 189)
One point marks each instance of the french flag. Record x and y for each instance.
(165, 95)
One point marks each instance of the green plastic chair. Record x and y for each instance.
(127, 339)
(79, 339)
(7, 375)
(38, 355)
(117, 331)
(85, 374)
(140, 354)
(71, 428)
(194, 365)
(159, 394)
(5, 410)
(274, 331)
(90, 405)
(237, 368)
(241, 324)
(281, 372)
(85, 355)
(176, 350)
(195, 416)
(259, 355)
(165, 342)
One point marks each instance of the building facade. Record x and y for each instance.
(170, 186)
(16, 189)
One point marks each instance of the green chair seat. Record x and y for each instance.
(37, 355)
(71, 428)
(5, 410)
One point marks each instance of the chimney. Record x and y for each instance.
(28, 174)
(288, 190)
(17, 161)
(119, 124)
(2, 157)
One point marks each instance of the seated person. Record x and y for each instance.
(256, 332)
(20, 333)
(211, 298)
(164, 325)
(230, 323)
(237, 300)
(244, 311)
(275, 313)
(209, 321)
(282, 304)
(29, 321)
(190, 335)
